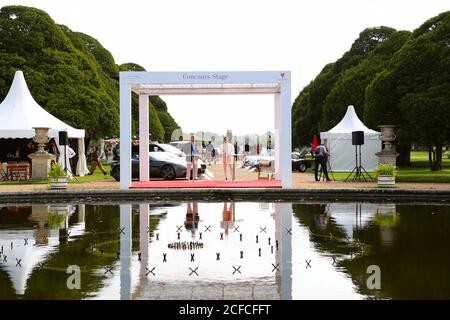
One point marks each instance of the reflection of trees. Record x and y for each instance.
(49, 281)
(414, 266)
(324, 232)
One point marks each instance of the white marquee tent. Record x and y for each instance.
(339, 143)
(20, 113)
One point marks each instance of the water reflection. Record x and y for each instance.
(225, 250)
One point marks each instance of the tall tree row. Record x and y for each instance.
(70, 74)
(391, 77)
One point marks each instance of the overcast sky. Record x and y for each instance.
(232, 35)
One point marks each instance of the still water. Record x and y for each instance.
(239, 250)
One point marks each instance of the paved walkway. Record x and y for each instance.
(299, 181)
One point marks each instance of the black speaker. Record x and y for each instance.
(357, 138)
(63, 139)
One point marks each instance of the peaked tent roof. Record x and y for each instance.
(19, 113)
(349, 123)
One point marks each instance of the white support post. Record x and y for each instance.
(144, 168)
(125, 251)
(283, 257)
(277, 138)
(125, 136)
(284, 149)
(144, 236)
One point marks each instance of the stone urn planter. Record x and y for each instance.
(385, 174)
(57, 177)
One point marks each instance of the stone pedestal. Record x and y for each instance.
(40, 165)
(388, 155)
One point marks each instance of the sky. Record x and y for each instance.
(232, 35)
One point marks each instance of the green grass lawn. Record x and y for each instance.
(98, 175)
(417, 172)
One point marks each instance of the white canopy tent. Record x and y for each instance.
(339, 143)
(20, 113)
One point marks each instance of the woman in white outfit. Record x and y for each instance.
(227, 151)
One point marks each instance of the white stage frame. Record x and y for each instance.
(147, 84)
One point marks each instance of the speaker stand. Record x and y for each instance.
(358, 172)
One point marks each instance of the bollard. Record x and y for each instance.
(240, 236)
(259, 252)
(256, 239)
(157, 236)
(242, 254)
(200, 236)
(164, 257)
(271, 249)
(269, 241)
(178, 236)
(139, 256)
(221, 236)
(217, 256)
(192, 257)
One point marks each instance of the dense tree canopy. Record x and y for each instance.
(391, 77)
(70, 74)
(309, 108)
(414, 88)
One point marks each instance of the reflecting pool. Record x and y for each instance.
(228, 250)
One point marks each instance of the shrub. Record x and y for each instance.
(385, 170)
(56, 171)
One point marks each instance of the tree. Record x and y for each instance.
(410, 91)
(311, 112)
(70, 74)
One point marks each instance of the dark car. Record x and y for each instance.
(299, 163)
(163, 147)
(163, 165)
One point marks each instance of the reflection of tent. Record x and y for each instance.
(351, 215)
(339, 143)
(19, 113)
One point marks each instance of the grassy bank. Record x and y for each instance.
(98, 175)
(417, 172)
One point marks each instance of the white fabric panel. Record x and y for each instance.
(343, 152)
(82, 168)
(61, 159)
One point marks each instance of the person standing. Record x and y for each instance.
(269, 145)
(320, 158)
(71, 155)
(191, 152)
(247, 145)
(96, 162)
(209, 152)
(227, 150)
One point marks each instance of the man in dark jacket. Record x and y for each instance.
(320, 158)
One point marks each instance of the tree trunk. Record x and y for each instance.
(430, 163)
(432, 157)
(404, 159)
(438, 157)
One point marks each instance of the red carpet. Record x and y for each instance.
(206, 184)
